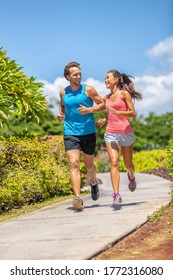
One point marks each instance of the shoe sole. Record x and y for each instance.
(95, 196)
(115, 204)
(77, 204)
(132, 189)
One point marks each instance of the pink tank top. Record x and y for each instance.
(117, 123)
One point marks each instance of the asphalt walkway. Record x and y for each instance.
(58, 232)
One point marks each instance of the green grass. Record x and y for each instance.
(161, 212)
(157, 215)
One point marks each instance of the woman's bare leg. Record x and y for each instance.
(127, 153)
(113, 152)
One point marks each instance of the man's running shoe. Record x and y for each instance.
(95, 191)
(132, 183)
(78, 203)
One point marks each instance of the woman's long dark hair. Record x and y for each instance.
(125, 83)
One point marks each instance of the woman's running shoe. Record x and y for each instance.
(132, 183)
(116, 199)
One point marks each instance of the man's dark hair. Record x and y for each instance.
(68, 66)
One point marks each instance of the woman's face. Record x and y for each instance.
(110, 80)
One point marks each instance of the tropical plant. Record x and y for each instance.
(19, 95)
(22, 128)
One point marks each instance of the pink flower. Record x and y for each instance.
(48, 137)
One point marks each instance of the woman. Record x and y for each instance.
(119, 132)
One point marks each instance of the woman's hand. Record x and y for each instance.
(101, 122)
(112, 111)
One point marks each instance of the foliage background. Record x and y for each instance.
(19, 95)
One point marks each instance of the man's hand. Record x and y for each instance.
(84, 110)
(60, 116)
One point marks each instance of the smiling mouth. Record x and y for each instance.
(77, 83)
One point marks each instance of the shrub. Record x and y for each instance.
(146, 160)
(143, 161)
(33, 170)
(170, 156)
(102, 161)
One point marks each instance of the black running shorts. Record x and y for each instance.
(84, 143)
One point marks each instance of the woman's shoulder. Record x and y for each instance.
(125, 94)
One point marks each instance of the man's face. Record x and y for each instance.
(74, 76)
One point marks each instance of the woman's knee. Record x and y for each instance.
(114, 162)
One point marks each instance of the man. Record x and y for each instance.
(79, 130)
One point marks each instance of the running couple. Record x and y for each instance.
(76, 110)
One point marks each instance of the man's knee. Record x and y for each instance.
(89, 165)
(74, 164)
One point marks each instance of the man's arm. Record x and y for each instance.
(92, 93)
(60, 116)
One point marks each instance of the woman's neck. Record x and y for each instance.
(115, 91)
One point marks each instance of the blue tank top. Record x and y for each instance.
(74, 122)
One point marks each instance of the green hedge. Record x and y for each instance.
(170, 156)
(33, 170)
(146, 160)
(143, 161)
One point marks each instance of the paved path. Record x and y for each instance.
(58, 232)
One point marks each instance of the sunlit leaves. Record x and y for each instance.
(19, 95)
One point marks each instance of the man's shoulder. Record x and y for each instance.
(62, 92)
(66, 88)
(88, 87)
